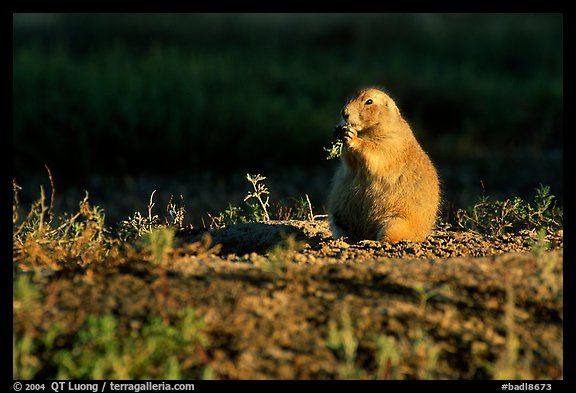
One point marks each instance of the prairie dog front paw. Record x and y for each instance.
(348, 135)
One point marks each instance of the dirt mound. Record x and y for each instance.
(315, 239)
(283, 300)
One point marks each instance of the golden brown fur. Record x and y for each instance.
(386, 187)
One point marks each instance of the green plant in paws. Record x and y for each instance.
(335, 149)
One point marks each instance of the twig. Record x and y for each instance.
(50, 210)
(42, 210)
(310, 208)
(151, 205)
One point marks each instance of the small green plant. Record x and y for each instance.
(25, 362)
(497, 218)
(509, 365)
(343, 341)
(260, 190)
(159, 243)
(427, 354)
(416, 350)
(29, 344)
(253, 212)
(540, 245)
(547, 262)
(387, 357)
(278, 257)
(232, 215)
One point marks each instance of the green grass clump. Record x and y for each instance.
(500, 217)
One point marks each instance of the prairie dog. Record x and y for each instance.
(386, 188)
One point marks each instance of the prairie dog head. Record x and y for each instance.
(369, 108)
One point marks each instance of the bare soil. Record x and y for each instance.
(276, 296)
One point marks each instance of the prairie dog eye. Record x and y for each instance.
(368, 101)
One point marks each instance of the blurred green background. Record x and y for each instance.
(131, 102)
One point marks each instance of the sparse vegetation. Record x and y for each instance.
(258, 212)
(138, 225)
(499, 217)
(75, 240)
(166, 344)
